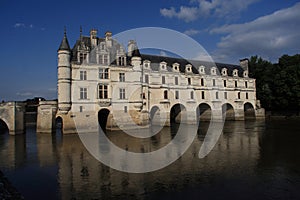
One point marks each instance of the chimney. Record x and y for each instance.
(93, 37)
(131, 47)
(108, 39)
(244, 64)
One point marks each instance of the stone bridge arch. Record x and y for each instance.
(249, 111)
(12, 117)
(228, 112)
(4, 126)
(204, 112)
(178, 113)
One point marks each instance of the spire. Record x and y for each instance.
(64, 45)
(80, 33)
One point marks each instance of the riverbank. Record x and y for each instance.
(7, 190)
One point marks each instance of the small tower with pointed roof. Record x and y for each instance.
(64, 75)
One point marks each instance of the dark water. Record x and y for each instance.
(252, 160)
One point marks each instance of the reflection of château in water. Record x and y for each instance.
(80, 175)
(97, 78)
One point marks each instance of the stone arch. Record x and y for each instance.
(154, 112)
(228, 112)
(3, 126)
(203, 112)
(59, 124)
(249, 111)
(176, 113)
(102, 118)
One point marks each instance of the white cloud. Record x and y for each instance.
(19, 25)
(22, 25)
(191, 32)
(185, 13)
(269, 36)
(207, 8)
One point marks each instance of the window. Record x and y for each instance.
(189, 81)
(224, 82)
(105, 59)
(235, 83)
(122, 77)
(165, 94)
(82, 57)
(214, 82)
(217, 95)
(82, 75)
(103, 73)
(83, 93)
(80, 108)
(144, 95)
(246, 84)
(247, 95)
(122, 93)
(202, 81)
(192, 94)
(203, 95)
(225, 95)
(125, 109)
(176, 94)
(102, 91)
(176, 80)
(146, 78)
(163, 80)
(121, 61)
(239, 95)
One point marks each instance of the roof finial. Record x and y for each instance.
(65, 31)
(80, 32)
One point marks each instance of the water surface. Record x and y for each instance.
(252, 160)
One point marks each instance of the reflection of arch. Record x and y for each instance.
(228, 111)
(102, 118)
(3, 127)
(154, 111)
(59, 124)
(249, 111)
(203, 112)
(175, 113)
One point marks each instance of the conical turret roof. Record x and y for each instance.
(64, 45)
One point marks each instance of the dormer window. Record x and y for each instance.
(224, 72)
(235, 72)
(213, 71)
(245, 74)
(146, 64)
(175, 67)
(188, 68)
(121, 61)
(163, 66)
(201, 69)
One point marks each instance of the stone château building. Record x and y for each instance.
(98, 77)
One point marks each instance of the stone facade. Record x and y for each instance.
(97, 74)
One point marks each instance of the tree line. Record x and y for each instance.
(278, 84)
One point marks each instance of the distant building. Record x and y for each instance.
(99, 77)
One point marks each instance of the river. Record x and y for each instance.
(251, 160)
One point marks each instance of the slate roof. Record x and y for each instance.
(64, 45)
(155, 60)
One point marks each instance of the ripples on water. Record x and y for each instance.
(252, 160)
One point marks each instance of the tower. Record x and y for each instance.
(64, 76)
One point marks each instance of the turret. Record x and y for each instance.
(136, 59)
(64, 75)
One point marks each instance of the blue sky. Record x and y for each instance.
(31, 32)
